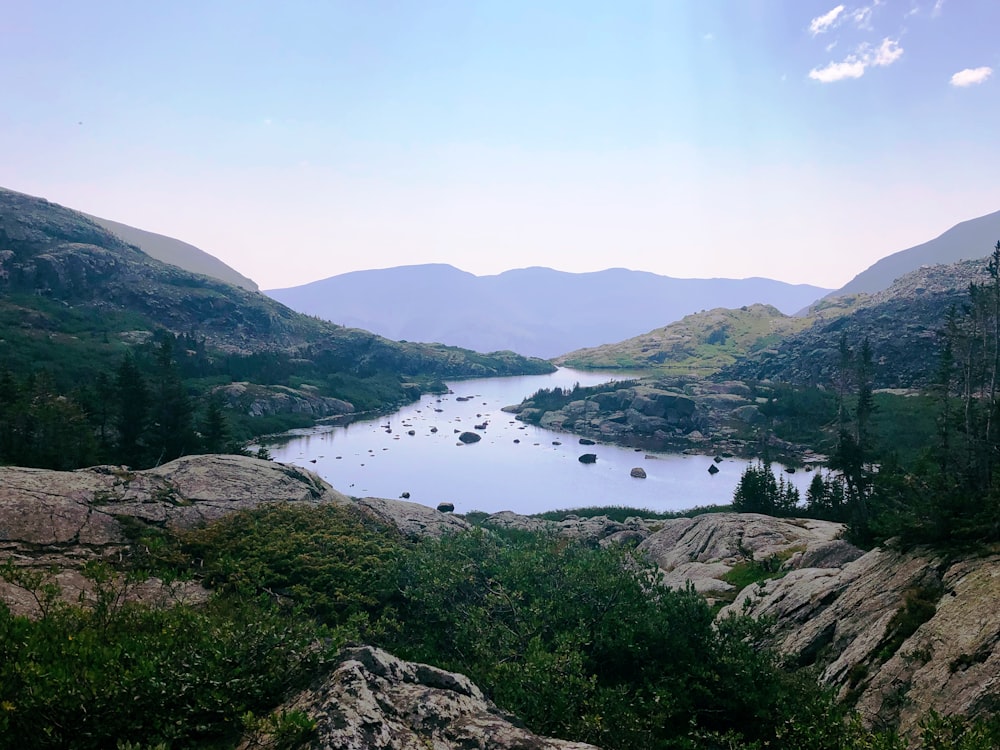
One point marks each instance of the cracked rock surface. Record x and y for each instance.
(374, 701)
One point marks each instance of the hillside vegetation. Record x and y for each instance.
(698, 344)
(85, 317)
(580, 641)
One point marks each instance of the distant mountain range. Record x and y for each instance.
(176, 253)
(534, 311)
(969, 240)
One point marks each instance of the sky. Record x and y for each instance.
(790, 139)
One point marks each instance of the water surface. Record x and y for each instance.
(515, 466)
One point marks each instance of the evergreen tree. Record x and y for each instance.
(172, 430)
(132, 412)
(215, 432)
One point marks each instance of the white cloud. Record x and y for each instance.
(838, 71)
(937, 8)
(971, 76)
(854, 65)
(708, 37)
(862, 17)
(887, 53)
(822, 23)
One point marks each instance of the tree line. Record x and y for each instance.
(141, 414)
(951, 492)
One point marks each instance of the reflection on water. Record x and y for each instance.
(514, 466)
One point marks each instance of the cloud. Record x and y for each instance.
(971, 76)
(855, 64)
(936, 11)
(838, 71)
(887, 53)
(862, 17)
(822, 23)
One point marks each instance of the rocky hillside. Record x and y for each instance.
(176, 253)
(965, 241)
(71, 291)
(895, 632)
(901, 322)
(698, 344)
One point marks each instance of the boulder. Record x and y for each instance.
(413, 519)
(469, 437)
(638, 472)
(446, 507)
(588, 458)
(704, 548)
(68, 517)
(374, 701)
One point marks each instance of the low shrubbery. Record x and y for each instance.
(580, 642)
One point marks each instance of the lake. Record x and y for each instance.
(515, 466)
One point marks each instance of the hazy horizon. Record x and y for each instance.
(798, 141)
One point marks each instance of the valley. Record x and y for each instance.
(604, 540)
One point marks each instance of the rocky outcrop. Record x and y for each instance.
(895, 632)
(701, 550)
(375, 701)
(267, 400)
(590, 530)
(65, 518)
(413, 519)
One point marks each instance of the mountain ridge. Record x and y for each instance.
(537, 311)
(176, 252)
(967, 240)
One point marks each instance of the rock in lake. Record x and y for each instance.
(588, 458)
(638, 472)
(469, 437)
(713, 469)
(587, 441)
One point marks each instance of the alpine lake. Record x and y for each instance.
(415, 452)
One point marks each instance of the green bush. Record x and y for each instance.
(82, 678)
(586, 644)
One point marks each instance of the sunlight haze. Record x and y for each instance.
(795, 140)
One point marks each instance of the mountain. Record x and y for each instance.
(74, 297)
(971, 239)
(902, 324)
(535, 311)
(176, 253)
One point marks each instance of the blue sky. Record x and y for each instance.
(793, 139)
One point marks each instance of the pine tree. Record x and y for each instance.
(132, 412)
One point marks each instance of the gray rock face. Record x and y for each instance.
(65, 518)
(896, 633)
(374, 701)
(267, 400)
(413, 519)
(847, 620)
(703, 549)
(596, 530)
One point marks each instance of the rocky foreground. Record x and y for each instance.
(895, 632)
